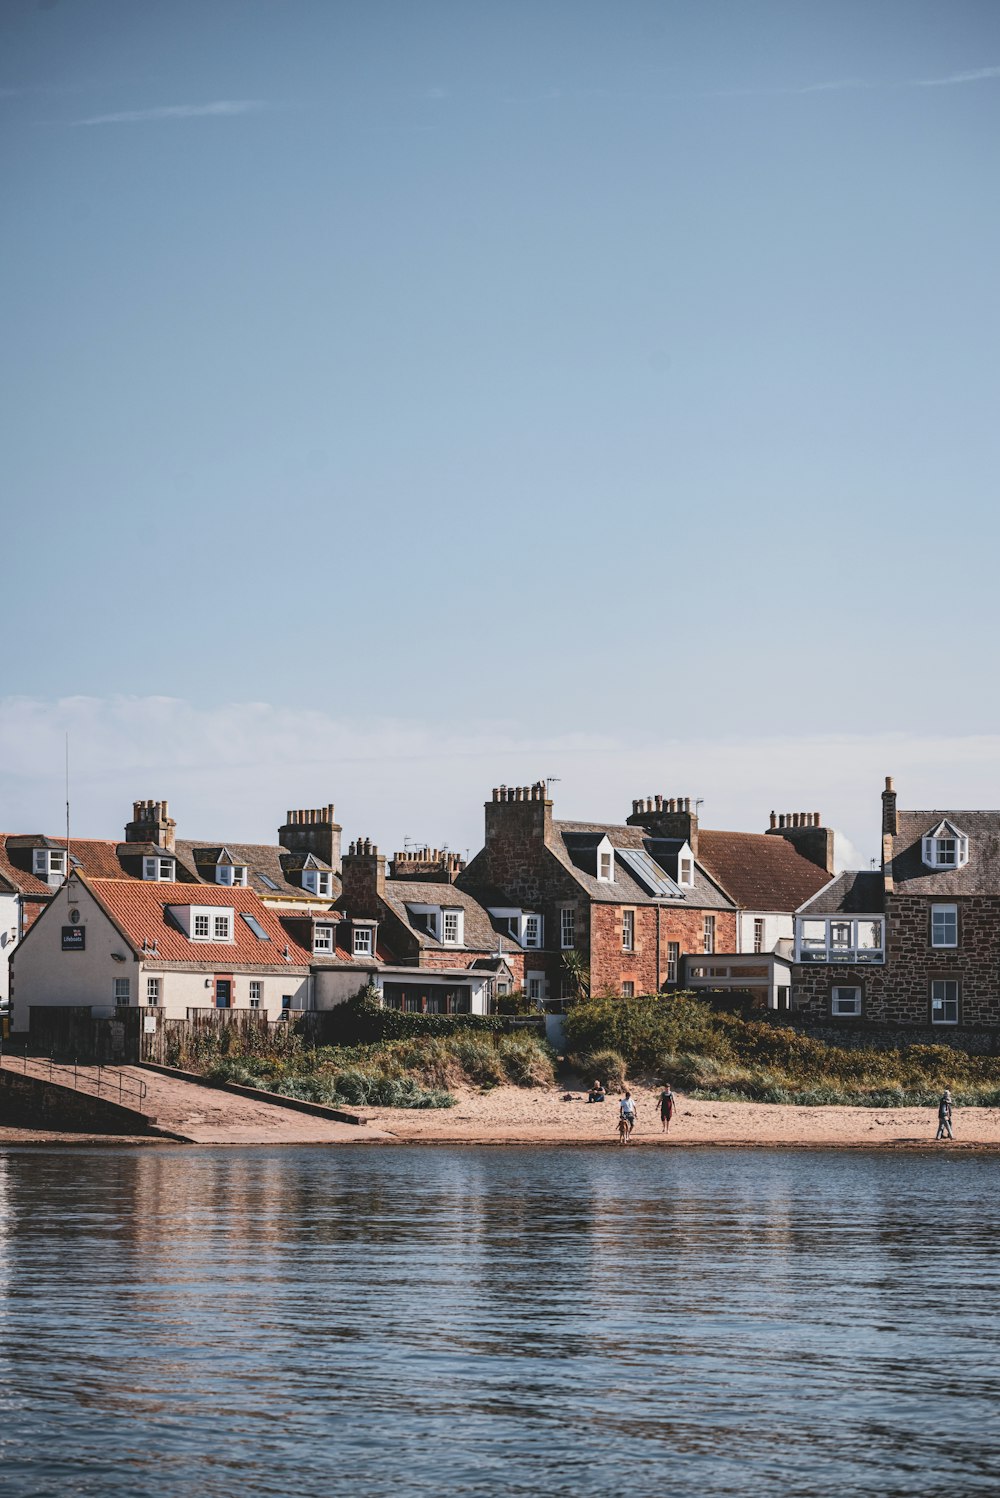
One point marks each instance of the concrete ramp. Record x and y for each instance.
(209, 1115)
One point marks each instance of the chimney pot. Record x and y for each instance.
(774, 819)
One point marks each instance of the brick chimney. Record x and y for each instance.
(434, 865)
(151, 823)
(807, 835)
(362, 875)
(664, 816)
(313, 831)
(890, 823)
(521, 812)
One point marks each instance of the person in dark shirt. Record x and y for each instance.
(596, 1093)
(944, 1117)
(668, 1105)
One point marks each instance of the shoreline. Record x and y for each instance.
(529, 1117)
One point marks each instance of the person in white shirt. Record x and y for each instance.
(627, 1110)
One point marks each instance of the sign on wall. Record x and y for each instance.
(74, 938)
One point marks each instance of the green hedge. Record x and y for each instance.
(363, 1021)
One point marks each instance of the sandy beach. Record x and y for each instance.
(515, 1115)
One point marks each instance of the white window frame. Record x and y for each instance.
(567, 927)
(673, 970)
(759, 934)
(49, 864)
(945, 847)
(256, 995)
(820, 947)
(628, 930)
(123, 992)
(948, 914)
(201, 917)
(534, 983)
(605, 867)
(708, 935)
(324, 938)
(318, 882)
(945, 998)
(452, 926)
(158, 870)
(154, 991)
(838, 996)
(685, 868)
(363, 943)
(222, 919)
(531, 928)
(628, 989)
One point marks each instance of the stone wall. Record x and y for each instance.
(899, 991)
(29, 1102)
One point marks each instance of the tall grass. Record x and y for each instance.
(683, 1041)
(418, 1072)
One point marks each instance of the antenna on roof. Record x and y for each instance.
(700, 802)
(551, 780)
(67, 805)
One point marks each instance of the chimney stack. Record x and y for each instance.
(890, 822)
(807, 835)
(669, 817)
(152, 823)
(313, 830)
(362, 874)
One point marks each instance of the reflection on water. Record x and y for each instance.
(221, 1322)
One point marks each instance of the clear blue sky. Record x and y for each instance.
(531, 369)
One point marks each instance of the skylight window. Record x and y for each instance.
(255, 926)
(269, 883)
(648, 873)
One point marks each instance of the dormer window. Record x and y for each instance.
(685, 867)
(605, 862)
(204, 922)
(160, 870)
(318, 882)
(945, 847)
(452, 924)
(532, 931)
(324, 938)
(49, 864)
(231, 873)
(364, 941)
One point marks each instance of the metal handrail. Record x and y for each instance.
(108, 1078)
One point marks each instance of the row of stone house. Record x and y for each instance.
(651, 904)
(646, 905)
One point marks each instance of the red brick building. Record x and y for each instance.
(628, 900)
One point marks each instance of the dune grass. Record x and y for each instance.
(726, 1058)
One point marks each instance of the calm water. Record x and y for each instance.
(374, 1321)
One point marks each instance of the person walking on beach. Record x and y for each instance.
(668, 1104)
(627, 1110)
(944, 1117)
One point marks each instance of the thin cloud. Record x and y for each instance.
(975, 76)
(218, 108)
(853, 85)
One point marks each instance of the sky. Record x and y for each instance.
(400, 398)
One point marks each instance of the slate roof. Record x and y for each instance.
(759, 870)
(480, 934)
(270, 859)
(139, 910)
(856, 892)
(570, 848)
(980, 876)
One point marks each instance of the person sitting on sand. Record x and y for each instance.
(596, 1093)
(944, 1117)
(668, 1104)
(627, 1110)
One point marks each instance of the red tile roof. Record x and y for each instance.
(96, 856)
(139, 910)
(760, 871)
